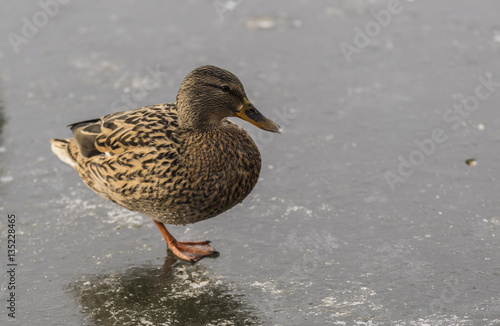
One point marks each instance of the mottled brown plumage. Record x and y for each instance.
(178, 163)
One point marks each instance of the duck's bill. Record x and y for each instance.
(249, 113)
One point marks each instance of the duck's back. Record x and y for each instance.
(143, 161)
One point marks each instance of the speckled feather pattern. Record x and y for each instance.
(143, 161)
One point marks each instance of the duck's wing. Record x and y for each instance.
(117, 132)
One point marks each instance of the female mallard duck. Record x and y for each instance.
(178, 163)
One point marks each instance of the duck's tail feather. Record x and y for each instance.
(60, 148)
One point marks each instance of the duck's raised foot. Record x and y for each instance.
(193, 251)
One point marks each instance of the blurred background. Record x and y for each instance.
(378, 205)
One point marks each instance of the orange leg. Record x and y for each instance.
(190, 251)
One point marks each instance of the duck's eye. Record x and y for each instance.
(225, 88)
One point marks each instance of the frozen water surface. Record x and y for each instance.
(366, 212)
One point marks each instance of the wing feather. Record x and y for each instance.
(115, 133)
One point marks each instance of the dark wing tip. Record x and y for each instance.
(80, 124)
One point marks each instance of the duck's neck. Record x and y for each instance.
(198, 120)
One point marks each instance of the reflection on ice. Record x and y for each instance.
(178, 293)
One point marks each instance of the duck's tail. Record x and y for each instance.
(60, 148)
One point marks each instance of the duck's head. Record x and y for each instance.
(209, 94)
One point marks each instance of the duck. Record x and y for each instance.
(178, 163)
